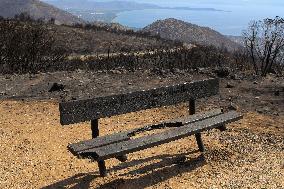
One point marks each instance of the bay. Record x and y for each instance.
(232, 20)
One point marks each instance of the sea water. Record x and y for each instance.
(230, 19)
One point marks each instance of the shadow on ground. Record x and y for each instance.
(169, 166)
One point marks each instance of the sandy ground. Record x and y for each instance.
(34, 154)
(33, 143)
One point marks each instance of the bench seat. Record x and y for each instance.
(119, 144)
(81, 146)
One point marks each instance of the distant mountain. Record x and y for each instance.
(104, 11)
(36, 9)
(189, 33)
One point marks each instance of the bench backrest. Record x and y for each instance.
(101, 107)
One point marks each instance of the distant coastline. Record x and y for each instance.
(114, 16)
(91, 11)
(226, 18)
(193, 9)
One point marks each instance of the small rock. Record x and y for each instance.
(115, 71)
(56, 87)
(177, 71)
(222, 72)
(263, 110)
(229, 85)
(123, 71)
(32, 77)
(259, 111)
(233, 106)
(3, 93)
(236, 77)
(255, 82)
(276, 113)
(201, 70)
(277, 93)
(159, 72)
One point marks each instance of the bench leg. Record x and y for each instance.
(95, 128)
(199, 142)
(95, 134)
(102, 168)
(191, 106)
(192, 109)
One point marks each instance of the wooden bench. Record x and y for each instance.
(118, 145)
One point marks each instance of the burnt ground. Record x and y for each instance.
(248, 92)
(33, 143)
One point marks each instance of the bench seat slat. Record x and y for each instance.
(122, 148)
(200, 116)
(97, 142)
(179, 121)
(76, 148)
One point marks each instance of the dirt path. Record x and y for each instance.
(34, 155)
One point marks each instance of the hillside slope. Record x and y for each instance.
(36, 9)
(189, 33)
(84, 41)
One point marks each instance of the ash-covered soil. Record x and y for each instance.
(33, 143)
(249, 93)
(82, 84)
